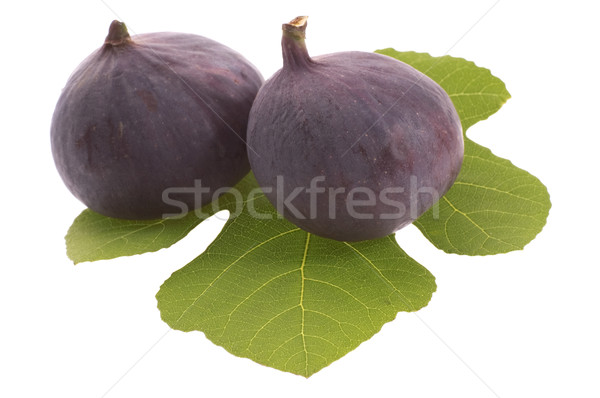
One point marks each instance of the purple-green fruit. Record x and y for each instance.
(351, 146)
(142, 121)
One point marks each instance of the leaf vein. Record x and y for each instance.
(231, 265)
(382, 277)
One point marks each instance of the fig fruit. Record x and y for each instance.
(352, 145)
(145, 120)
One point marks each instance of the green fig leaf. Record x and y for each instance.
(493, 207)
(269, 291)
(475, 92)
(93, 236)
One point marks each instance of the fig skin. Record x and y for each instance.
(359, 122)
(157, 111)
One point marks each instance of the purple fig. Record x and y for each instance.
(351, 146)
(144, 120)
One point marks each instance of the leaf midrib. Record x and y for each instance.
(302, 278)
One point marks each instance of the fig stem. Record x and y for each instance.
(293, 45)
(296, 27)
(117, 34)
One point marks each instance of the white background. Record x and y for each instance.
(523, 324)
